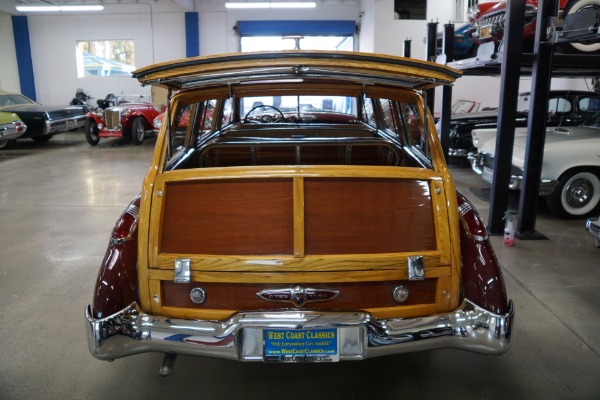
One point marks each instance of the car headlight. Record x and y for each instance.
(475, 140)
(125, 113)
(157, 123)
(473, 13)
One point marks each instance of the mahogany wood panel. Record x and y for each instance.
(353, 296)
(250, 217)
(365, 216)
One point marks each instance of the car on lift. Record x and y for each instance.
(11, 127)
(132, 120)
(464, 46)
(42, 122)
(565, 108)
(488, 23)
(302, 213)
(570, 176)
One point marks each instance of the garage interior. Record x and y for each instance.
(60, 199)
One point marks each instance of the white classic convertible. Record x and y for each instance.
(570, 179)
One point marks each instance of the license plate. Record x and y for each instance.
(301, 345)
(485, 32)
(487, 174)
(70, 124)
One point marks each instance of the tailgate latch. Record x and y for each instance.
(182, 270)
(416, 270)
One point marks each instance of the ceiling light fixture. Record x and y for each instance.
(272, 5)
(59, 8)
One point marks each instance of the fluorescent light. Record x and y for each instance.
(271, 5)
(247, 5)
(60, 8)
(294, 5)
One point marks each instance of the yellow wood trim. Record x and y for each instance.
(443, 295)
(418, 310)
(155, 296)
(376, 63)
(304, 277)
(324, 263)
(384, 312)
(310, 171)
(299, 217)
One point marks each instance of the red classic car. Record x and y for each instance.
(132, 120)
(488, 22)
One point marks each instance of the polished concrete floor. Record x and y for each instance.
(58, 202)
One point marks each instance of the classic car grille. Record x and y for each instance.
(487, 160)
(499, 17)
(112, 117)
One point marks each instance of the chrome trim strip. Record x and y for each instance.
(131, 331)
(592, 225)
(61, 125)
(462, 210)
(134, 211)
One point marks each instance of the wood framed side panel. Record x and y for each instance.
(368, 216)
(250, 217)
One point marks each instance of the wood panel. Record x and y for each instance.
(367, 216)
(353, 295)
(250, 217)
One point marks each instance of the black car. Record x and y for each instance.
(42, 121)
(565, 108)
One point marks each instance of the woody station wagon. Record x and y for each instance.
(298, 209)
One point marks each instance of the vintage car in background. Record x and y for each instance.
(120, 119)
(464, 46)
(565, 108)
(304, 214)
(42, 121)
(11, 127)
(592, 225)
(488, 23)
(570, 178)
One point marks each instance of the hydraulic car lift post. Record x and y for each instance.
(431, 49)
(507, 111)
(536, 124)
(445, 114)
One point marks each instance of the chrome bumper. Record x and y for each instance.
(64, 124)
(361, 336)
(547, 186)
(593, 227)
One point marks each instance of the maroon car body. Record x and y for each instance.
(132, 120)
(488, 21)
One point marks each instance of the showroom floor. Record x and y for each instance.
(58, 203)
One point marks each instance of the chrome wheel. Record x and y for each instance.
(577, 194)
(91, 132)
(578, 6)
(138, 131)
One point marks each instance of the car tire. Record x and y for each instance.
(577, 195)
(42, 139)
(7, 144)
(91, 132)
(138, 131)
(586, 48)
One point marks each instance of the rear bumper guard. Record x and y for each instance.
(361, 336)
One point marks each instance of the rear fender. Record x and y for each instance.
(117, 283)
(482, 280)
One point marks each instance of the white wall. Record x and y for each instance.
(158, 29)
(9, 73)
(158, 36)
(216, 23)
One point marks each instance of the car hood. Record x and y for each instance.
(555, 139)
(54, 112)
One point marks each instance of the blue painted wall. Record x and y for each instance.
(23, 50)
